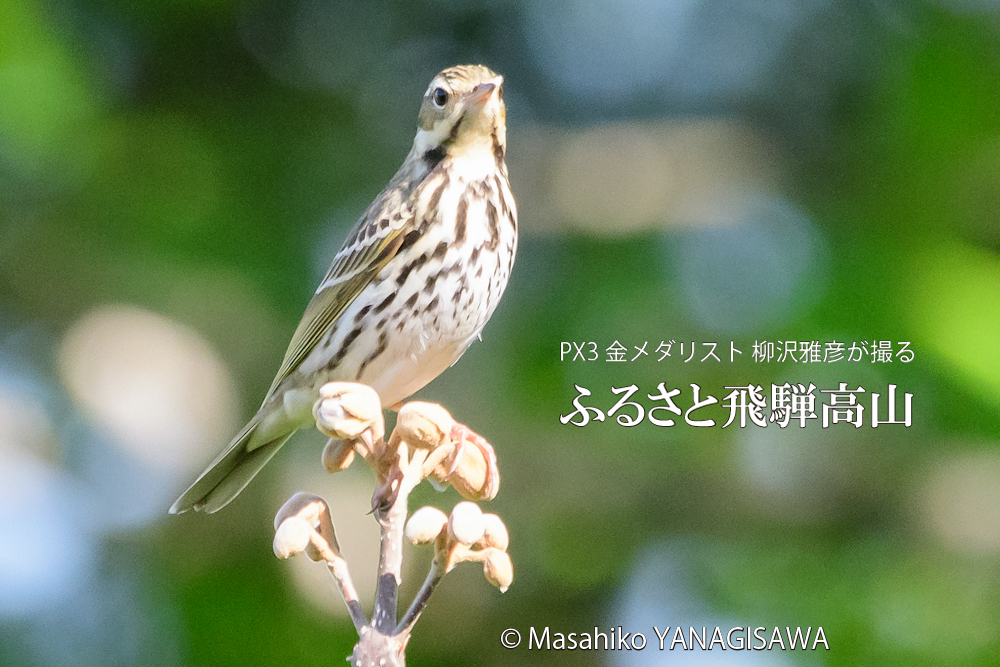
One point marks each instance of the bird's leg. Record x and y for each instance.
(404, 467)
(386, 493)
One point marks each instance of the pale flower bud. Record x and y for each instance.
(425, 525)
(475, 474)
(347, 409)
(423, 425)
(499, 569)
(363, 403)
(337, 455)
(292, 537)
(313, 512)
(495, 533)
(330, 414)
(466, 523)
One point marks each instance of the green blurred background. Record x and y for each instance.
(175, 176)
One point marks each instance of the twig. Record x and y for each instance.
(434, 577)
(338, 568)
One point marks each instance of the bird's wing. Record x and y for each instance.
(353, 268)
(374, 240)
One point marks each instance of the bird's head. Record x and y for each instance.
(462, 112)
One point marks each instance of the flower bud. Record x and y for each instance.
(423, 425)
(425, 525)
(302, 505)
(466, 523)
(362, 402)
(315, 513)
(476, 475)
(499, 569)
(495, 533)
(292, 537)
(347, 409)
(337, 455)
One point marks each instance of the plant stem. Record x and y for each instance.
(338, 568)
(434, 576)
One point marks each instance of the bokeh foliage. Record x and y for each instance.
(172, 156)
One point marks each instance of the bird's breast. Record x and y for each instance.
(428, 304)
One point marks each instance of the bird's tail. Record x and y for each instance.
(230, 472)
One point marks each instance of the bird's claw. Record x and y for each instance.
(386, 493)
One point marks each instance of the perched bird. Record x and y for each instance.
(414, 283)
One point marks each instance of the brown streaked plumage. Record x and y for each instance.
(413, 285)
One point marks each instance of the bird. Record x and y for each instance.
(412, 286)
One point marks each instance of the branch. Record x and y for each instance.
(427, 442)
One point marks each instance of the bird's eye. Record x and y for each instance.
(440, 97)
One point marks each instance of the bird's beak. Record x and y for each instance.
(483, 92)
